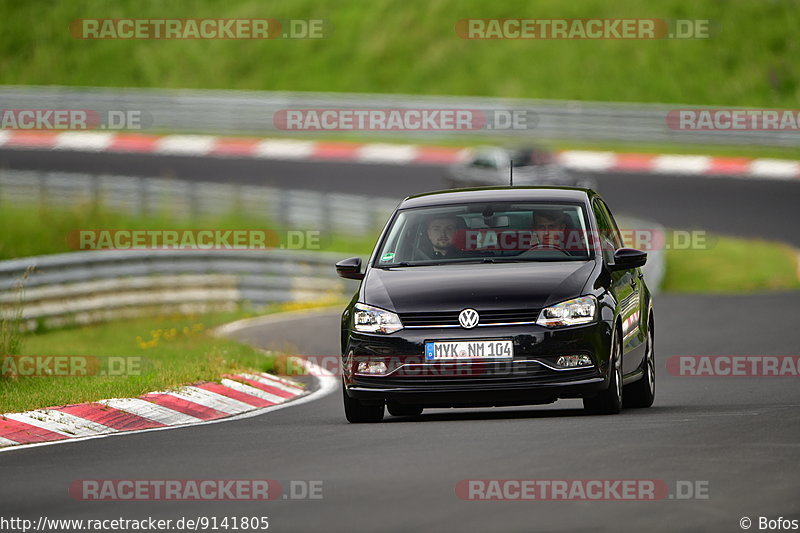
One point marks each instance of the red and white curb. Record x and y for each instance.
(384, 153)
(212, 146)
(696, 165)
(236, 396)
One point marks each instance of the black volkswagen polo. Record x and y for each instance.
(498, 296)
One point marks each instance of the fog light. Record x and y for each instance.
(572, 361)
(371, 367)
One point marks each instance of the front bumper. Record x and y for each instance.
(530, 377)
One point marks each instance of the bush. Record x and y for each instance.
(11, 323)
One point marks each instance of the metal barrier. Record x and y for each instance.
(86, 287)
(252, 112)
(655, 268)
(285, 208)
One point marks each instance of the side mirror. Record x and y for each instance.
(350, 268)
(627, 258)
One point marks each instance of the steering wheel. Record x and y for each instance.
(540, 246)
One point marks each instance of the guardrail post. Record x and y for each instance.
(194, 208)
(41, 188)
(283, 208)
(94, 191)
(237, 204)
(142, 195)
(328, 222)
(376, 220)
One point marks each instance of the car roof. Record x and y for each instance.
(498, 194)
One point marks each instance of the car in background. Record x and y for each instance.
(492, 166)
(497, 296)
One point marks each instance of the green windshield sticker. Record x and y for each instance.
(388, 256)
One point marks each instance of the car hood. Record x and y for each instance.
(489, 286)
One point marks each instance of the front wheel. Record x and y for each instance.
(643, 392)
(358, 413)
(609, 402)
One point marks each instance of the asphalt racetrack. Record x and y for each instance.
(734, 440)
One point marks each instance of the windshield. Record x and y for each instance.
(486, 232)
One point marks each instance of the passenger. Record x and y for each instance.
(549, 226)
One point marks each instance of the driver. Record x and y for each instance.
(550, 226)
(440, 231)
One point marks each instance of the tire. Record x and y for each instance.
(642, 393)
(358, 413)
(396, 409)
(609, 402)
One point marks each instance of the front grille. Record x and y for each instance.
(450, 318)
(486, 377)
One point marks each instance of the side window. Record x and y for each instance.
(397, 243)
(607, 236)
(484, 160)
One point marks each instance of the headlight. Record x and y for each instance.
(370, 319)
(570, 313)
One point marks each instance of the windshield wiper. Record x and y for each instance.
(436, 263)
(393, 265)
(539, 259)
(471, 260)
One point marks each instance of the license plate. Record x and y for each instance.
(435, 351)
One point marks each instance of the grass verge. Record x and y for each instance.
(37, 230)
(138, 356)
(11, 330)
(412, 47)
(732, 265)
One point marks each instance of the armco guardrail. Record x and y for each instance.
(253, 112)
(86, 287)
(285, 208)
(655, 268)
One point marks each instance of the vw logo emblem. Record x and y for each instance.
(468, 318)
